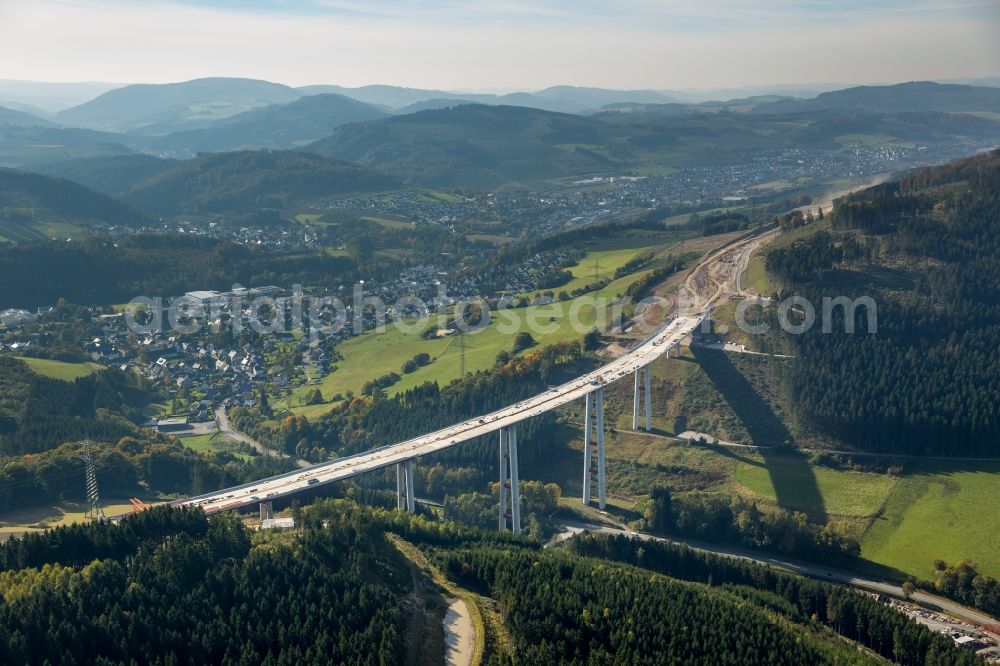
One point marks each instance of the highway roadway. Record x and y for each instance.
(275, 487)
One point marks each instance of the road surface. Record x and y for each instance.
(718, 276)
(226, 428)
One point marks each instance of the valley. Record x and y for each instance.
(260, 340)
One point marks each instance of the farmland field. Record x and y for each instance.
(388, 222)
(59, 369)
(939, 511)
(852, 494)
(373, 354)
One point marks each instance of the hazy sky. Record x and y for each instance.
(502, 44)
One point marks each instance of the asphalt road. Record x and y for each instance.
(226, 428)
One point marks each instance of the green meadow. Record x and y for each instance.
(373, 354)
(940, 510)
(60, 369)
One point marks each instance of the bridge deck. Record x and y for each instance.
(344, 468)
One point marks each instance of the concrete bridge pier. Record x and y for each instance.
(411, 497)
(266, 511)
(404, 487)
(594, 426)
(648, 374)
(509, 482)
(643, 385)
(635, 399)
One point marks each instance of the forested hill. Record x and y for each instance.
(172, 586)
(927, 249)
(913, 96)
(96, 270)
(479, 146)
(38, 413)
(474, 145)
(32, 198)
(250, 180)
(171, 107)
(289, 125)
(113, 175)
(14, 117)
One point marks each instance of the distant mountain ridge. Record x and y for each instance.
(561, 99)
(170, 107)
(45, 98)
(22, 118)
(27, 147)
(445, 139)
(900, 98)
(914, 96)
(473, 145)
(482, 146)
(277, 126)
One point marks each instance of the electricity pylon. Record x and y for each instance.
(94, 508)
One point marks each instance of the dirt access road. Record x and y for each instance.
(459, 634)
(718, 275)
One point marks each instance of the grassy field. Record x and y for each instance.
(444, 197)
(638, 461)
(66, 513)
(939, 511)
(59, 369)
(388, 222)
(755, 276)
(871, 140)
(493, 239)
(40, 230)
(199, 443)
(374, 354)
(602, 262)
(852, 494)
(213, 443)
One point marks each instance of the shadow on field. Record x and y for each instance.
(795, 486)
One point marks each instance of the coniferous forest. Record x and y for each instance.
(927, 249)
(173, 586)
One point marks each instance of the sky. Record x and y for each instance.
(502, 44)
